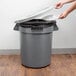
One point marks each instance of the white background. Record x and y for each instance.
(12, 10)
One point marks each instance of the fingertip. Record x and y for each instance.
(61, 17)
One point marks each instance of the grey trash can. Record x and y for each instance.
(36, 42)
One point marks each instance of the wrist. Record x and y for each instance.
(66, 1)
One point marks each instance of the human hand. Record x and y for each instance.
(59, 5)
(63, 15)
(62, 2)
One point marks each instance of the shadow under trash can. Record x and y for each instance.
(36, 42)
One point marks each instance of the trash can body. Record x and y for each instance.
(36, 49)
(36, 44)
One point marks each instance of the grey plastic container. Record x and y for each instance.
(36, 42)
